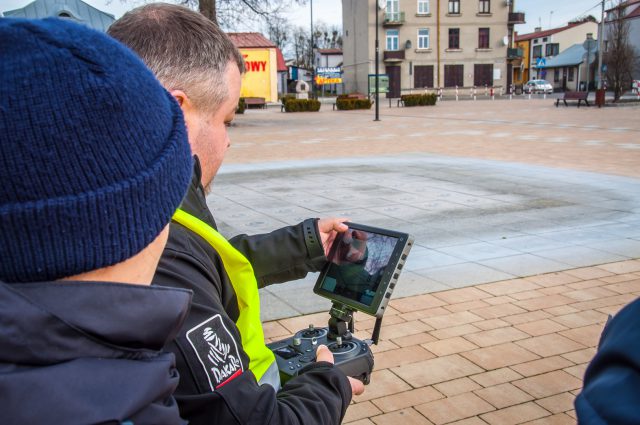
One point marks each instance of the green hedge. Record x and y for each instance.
(419, 99)
(346, 104)
(302, 105)
(241, 106)
(287, 97)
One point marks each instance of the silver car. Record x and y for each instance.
(538, 86)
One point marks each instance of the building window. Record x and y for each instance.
(454, 7)
(423, 76)
(570, 77)
(423, 38)
(392, 12)
(392, 39)
(423, 7)
(556, 75)
(484, 6)
(454, 38)
(483, 38)
(544, 39)
(454, 75)
(552, 49)
(537, 51)
(483, 75)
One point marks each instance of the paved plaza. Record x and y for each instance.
(526, 220)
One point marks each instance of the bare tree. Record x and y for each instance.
(619, 55)
(229, 13)
(301, 43)
(280, 32)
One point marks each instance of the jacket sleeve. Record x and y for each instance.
(284, 254)
(319, 396)
(610, 392)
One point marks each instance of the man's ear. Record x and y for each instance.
(183, 100)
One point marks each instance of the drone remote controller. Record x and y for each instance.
(351, 355)
(362, 271)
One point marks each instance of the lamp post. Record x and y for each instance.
(380, 4)
(312, 56)
(589, 45)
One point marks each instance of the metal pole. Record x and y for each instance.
(313, 67)
(588, 57)
(377, 118)
(600, 41)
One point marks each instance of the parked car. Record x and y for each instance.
(538, 86)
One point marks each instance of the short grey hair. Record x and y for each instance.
(185, 50)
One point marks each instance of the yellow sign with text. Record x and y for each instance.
(257, 80)
(324, 80)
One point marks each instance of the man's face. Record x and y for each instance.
(208, 129)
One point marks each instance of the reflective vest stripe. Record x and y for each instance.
(244, 283)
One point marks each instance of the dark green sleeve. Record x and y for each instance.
(285, 254)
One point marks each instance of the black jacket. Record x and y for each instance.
(88, 353)
(207, 393)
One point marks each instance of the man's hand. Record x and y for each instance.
(329, 228)
(323, 354)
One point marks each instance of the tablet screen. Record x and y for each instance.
(358, 260)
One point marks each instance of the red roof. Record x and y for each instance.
(280, 59)
(334, 51)
(249, 39)
(634, 14)
(546, 33)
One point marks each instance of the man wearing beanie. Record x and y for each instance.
(94, 161)
(201, 67)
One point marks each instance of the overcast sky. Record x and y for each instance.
(544, 13)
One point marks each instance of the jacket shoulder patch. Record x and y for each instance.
(216, 350)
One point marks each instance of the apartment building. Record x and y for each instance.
(541, 45)
(628, 11)
(428, 43)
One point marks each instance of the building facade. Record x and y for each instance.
(521, 72)
(428, 43)
(260, 55)
(630, 12)
(541, 45)
(328, 58)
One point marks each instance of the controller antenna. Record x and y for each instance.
(375, 335)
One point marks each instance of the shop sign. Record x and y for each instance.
(328, 75)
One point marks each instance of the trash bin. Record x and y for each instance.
(600, 98)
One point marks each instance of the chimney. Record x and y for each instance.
(537, 29)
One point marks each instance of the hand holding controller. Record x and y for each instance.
(351, 355)
(324, 354)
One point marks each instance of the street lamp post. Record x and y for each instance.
(312, 55)
(380, 4)
(589, 45)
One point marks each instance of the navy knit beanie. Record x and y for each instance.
(94, 157)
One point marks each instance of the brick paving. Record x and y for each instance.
(501, 353)
(504, 352)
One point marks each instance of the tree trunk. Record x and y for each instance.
(208, 9)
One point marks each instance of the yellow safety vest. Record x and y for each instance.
(244, 283)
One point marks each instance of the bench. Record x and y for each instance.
(255, 101)
(573, 95)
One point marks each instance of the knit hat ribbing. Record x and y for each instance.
(94, 157)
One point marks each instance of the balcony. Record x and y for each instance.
(516, 18)
(393, 56)
(516, 53)
(393, 19)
